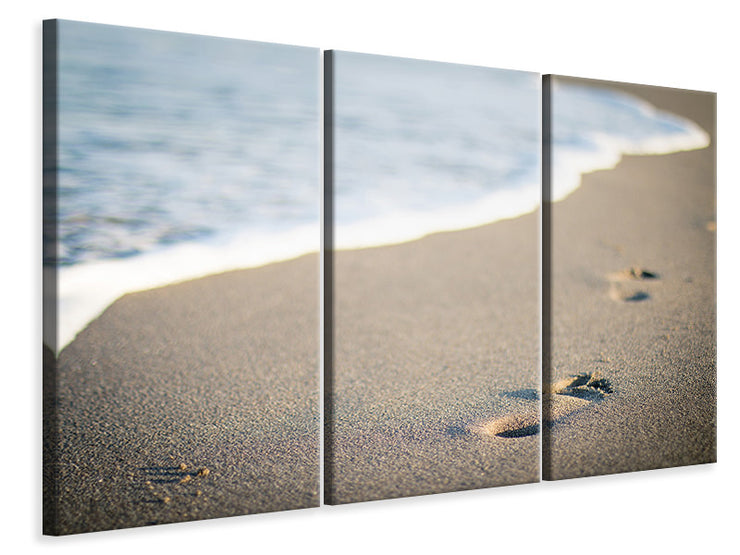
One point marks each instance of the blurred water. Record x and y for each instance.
(426, 146)
(182, 155)
(167, 138)
(178, 156)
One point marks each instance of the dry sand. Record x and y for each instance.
(219, 373)
(633, 298)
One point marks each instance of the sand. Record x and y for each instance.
(196, 400)
(432, 338)
(633, 298)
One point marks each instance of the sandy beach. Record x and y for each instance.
(197, 400)
(633, 301)
(200, 399)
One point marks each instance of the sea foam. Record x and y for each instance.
(86, 290)
(593, 128)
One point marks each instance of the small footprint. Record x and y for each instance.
(559, 399)
(633, 273)
(165, 483)
(512, 425)
(622, 286)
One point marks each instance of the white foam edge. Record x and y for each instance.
(570, 164)
(401, 227)
(86, 290)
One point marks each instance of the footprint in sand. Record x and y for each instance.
(627, 285)
(560, 399)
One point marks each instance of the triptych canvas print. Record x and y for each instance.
(516, 276)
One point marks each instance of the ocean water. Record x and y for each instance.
(178, 156)
(426, 146)
(182, 156)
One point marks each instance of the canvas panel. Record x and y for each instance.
(629, 271)
(181, 264)
(432, 273)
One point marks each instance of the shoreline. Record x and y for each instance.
(79, 285)
(84, 299)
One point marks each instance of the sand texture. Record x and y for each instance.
(197, 400)
(633, 297)
(431, 338)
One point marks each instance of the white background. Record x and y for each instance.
(689, 45)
